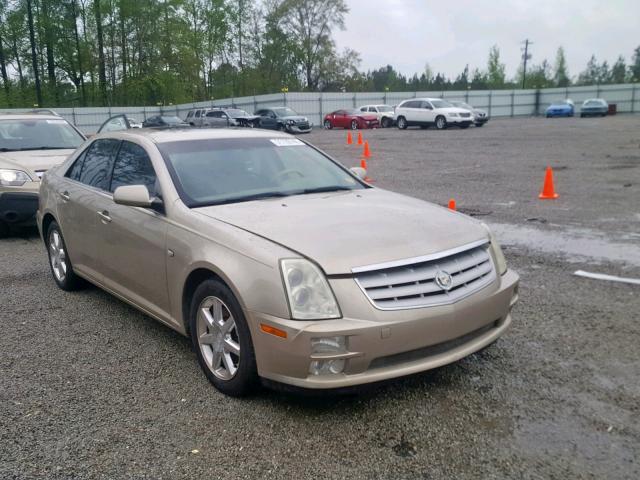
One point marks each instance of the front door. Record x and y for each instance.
(133, 253)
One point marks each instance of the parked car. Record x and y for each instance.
(350, 118)
(195, 116)
(164, 121)
(284, 119)
(232, 117)
(383, 112)
(278, 262)
(480, 117)
(424, 112)
(563, 108)
(118, 123)
(594, 107)
(30, 144)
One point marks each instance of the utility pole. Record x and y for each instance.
(526, 56)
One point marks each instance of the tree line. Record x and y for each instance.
(148, 52)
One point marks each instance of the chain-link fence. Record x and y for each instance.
(498, 103)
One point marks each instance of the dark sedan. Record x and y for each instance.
(283, 119)
(351, 118)
(164, 121)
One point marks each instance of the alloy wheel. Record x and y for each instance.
(57, 255)
(218, 338)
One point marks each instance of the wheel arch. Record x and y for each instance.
(47, 220)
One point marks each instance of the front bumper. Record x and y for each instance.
(298, 128)
(383, 344)
(480, 120)
(19, 205)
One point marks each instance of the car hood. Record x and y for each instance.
(36, 160)
(343, 230)
(295, 118)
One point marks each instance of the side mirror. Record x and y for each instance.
(359, 172)
(133, 196)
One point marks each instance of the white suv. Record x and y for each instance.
(383, 112)
(425, 112)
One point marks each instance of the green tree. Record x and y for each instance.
(618, 73)
(634, 68)
(560, 72)
(495, 69)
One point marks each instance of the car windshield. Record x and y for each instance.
(37, 134)
(593, 103)
(462, 105)
(440, 104)
(235, 112)
(284, 112)
(384, 108)
(213, 172)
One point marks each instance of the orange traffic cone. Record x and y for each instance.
(367, 152)
(359, 138)
(349, 139)
(452, 204)
(363, 164)
(548, 191)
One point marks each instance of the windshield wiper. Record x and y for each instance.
(332, 188)
(248, 198)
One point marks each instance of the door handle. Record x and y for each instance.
(104, 216)
(65, 196)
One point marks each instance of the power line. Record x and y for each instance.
(526, 56)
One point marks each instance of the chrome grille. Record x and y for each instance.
(465, 115)
(413, 284)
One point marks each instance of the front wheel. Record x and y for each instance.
(402, 123)
(327, 125)
(222, 340)
(354, 124)
(441, 123)
(386, 122)
(59, 261)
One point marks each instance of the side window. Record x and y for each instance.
(198, 114)
(373, 109)
(261, 113)
(133, 167)
(210, 114)
(74, 172)
(98, 162)
(427, 105)
(363, 109)
(190, 114)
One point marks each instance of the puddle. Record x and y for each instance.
(577, 245)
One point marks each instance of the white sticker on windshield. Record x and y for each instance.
(286, 142)
(56, 121)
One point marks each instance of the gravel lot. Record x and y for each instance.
(90, 388)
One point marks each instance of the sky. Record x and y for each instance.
(449, 34)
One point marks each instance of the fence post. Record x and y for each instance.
(320, 106)
(73, 115)
(537, 105)
(385, 97)
(512, 100)
(354, 100)
(284, 98)
(633, 97)
(255, 104)
(490, 98)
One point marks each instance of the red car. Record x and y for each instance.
(351, 118)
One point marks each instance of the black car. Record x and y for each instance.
(164, 121)
(283, 118)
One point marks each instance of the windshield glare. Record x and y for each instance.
(284, 112)
(212, 172)
(36, 134)
(441, 104)
(234, 112)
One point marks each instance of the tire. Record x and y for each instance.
(234, 374)
(386, 122)
(4, 229)
(354, 125)
(402, 123)
(59, 261)
(327, 125)
(441, 122)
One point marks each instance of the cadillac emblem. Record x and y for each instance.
(444, 280)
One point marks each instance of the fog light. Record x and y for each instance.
(324, 367)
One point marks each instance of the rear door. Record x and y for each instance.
(82, 197)
(133, 248)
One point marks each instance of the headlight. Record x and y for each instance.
(501, 262)
(13, 178)
(310, 297)
(291, 122)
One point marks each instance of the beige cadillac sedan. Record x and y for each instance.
(279, 263)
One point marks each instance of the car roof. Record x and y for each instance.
(28, 116)
(188, 133)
